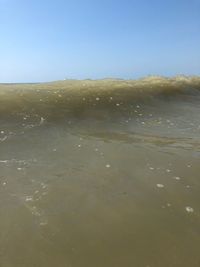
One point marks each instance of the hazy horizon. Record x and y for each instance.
(108, 78)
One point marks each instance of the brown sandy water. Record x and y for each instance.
(107, 175)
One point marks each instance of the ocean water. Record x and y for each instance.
(100, 173)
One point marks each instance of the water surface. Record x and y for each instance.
(100, 174)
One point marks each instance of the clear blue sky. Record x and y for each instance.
(44, 40)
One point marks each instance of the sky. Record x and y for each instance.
(46, 40)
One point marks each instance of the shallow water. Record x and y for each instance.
(114, 182)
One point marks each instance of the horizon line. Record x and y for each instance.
(107, 78)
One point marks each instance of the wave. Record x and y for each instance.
(88, 97)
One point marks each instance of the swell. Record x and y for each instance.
(93, 98)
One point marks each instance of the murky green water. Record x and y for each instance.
(114, 182)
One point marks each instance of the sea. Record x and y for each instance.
(100, 173)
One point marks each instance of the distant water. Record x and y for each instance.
(100, 173)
